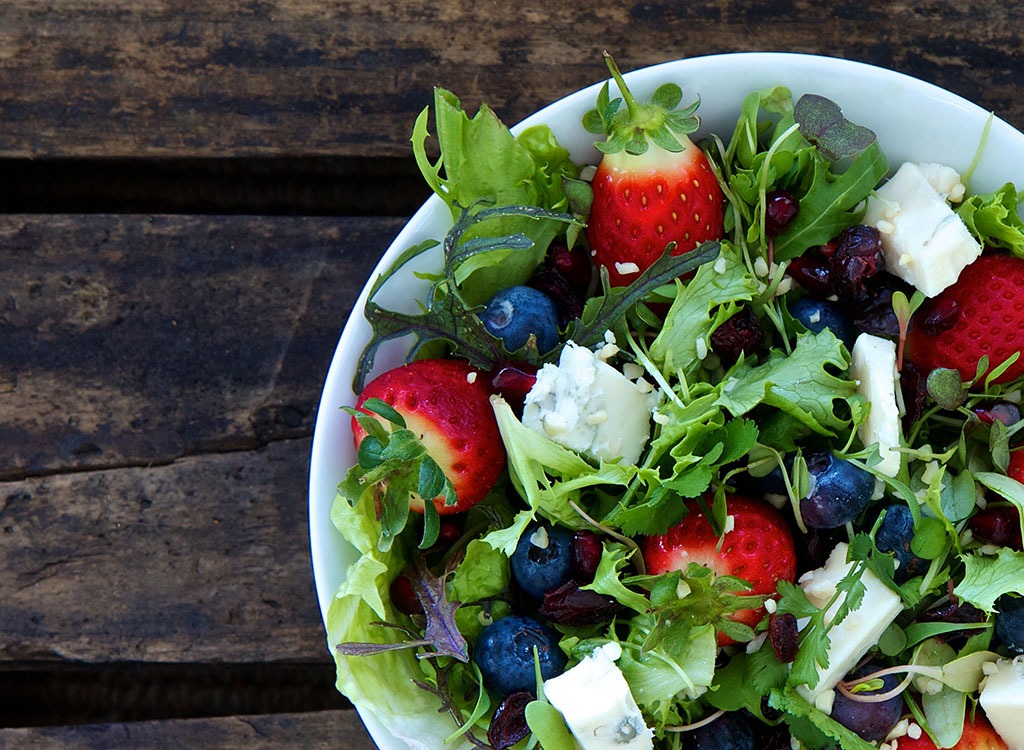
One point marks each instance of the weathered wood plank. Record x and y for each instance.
(140, 339)
(300, 77)
(333, 730)
(204, 560)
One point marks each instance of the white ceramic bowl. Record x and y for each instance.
(914, 121)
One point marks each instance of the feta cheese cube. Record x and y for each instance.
(924, 242)
(594, 699)
(859, 630)
(586, 405)
(1002, 697)
(873, 367)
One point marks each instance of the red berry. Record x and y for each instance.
(758, 548)
(446, 404)
(990, 298)
(780, 210)
(811, 271)
(512, 381)
(403, 596)
(586, 554)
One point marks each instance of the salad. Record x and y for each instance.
(707, 444)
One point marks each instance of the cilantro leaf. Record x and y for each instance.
(795, 708)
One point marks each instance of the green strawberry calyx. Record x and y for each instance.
(634, 128)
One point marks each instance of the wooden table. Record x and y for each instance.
(192, 196)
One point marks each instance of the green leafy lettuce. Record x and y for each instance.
(482, 164)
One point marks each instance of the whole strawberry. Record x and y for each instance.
(757, 547)
(989, 298)
(653, 186)
(446, 405)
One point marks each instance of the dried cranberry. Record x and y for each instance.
(858, 259)
(782, 634)
(574, 266)
(403, 596)
(998, 525)
(570, 605)
(914, 387)
(586, 554)
(740, 334)
(512, 381)
(811, 271)
(954, 612)
(554, 285)
(1002, 411)
(780, 210)
(937, 315)
(508, 725)
(874, 313)
(450, 531)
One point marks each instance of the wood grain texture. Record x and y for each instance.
(299, 77)
(135, 340)
(334, 730)
(204, 560)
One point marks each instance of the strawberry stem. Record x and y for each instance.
(627, 96)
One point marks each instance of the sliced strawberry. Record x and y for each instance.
(653, 185)
(977, 735)
(446, 404)
(1016, 468)
(758, 548)
(990, 298)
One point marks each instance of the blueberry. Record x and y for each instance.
(732, 731)
(818, 314)
(543, 559)
(839, 491)
(894, 535)
(1009, 622)
(872, 721)
(514, 313)
(504, 654)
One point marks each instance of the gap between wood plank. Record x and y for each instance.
(300, 186)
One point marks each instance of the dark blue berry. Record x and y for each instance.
(1009, 622)
(818, 314)
(894, 535)
(839, 491)
(504, 652)
(732, 731)
(514, 313)
(872, 721)
(543, 560)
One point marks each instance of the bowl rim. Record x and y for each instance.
(326, 469)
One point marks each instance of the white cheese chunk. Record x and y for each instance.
(594, 699)
(859, 630)
(924, 242)
(873, 367)
(1002, 697)
(586, 405)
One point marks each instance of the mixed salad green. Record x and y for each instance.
(715, 428)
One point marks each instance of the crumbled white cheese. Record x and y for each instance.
(1002, 697)
(597, 705)
(627, 268)
(859, 630)
(566, 397)
(925, 243)
(873, 368)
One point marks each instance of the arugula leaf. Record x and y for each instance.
(832, 202)
(993, 219)
(609, 311)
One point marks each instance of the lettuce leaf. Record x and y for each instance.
(382, 684)
(993, 219)
(483, 165)
(987, 578)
